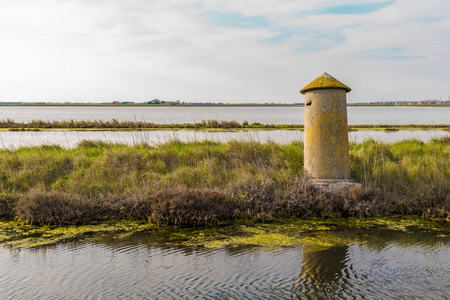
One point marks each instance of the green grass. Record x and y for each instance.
(199, 183)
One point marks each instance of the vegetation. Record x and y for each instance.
(314, 234)
(199, 183)
(114, 124)
(37, 125)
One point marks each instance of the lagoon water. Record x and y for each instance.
(178, 115)
(69, 139)
(263, 115)
(376, 265)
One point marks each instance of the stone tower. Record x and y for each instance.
(326, 153)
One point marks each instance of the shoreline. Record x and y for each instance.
(205, 125)
(211, 105)
(49, 194)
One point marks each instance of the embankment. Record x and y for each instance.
(38, 125)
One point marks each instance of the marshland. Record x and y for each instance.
(160, 150)
(201, 202)
(207, 182)
(228, 219)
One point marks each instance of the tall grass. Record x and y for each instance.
(414, 173)
(205, 182)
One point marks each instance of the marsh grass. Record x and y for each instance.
(37, 125)
(199, 183)
(133, 125)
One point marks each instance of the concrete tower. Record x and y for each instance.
(326, 131)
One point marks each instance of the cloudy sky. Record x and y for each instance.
(222, 50)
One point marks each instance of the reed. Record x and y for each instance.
(198, 183)
(133, 125)
(36, 125)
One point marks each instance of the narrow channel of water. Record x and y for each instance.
(375, 265)
(69, 139)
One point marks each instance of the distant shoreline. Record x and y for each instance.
(211, 105)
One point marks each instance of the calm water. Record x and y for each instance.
(263, 115)
(69, 139)
(378, 265)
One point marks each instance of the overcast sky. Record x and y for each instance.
(222, 50)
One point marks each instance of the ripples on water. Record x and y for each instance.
(135, 270)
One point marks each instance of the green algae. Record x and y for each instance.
(312, 235)
(18, 235)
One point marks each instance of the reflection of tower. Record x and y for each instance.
(321, 270)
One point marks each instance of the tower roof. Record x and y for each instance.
(325, 81)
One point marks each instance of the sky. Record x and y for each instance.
(231, 51)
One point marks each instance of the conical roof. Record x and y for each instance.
(325, 81)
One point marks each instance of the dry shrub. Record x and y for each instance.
(8, 203)
(268, 200)
(131, 205)
(190, 206)
(347, 203)
(54, 207)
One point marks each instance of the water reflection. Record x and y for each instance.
(374, 265)
(321, 270)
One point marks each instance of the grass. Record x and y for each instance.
(200, 183)
(37, 125)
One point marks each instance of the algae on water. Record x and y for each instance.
(312, 235)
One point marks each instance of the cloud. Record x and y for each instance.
(396, 53)
(217, 50)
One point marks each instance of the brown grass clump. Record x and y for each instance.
(354, 202)
(181, 205)
(54, 207)
(8, 203)
(266, 200)
(131, 205)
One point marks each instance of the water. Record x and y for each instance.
(263, 115)
(178, 115)
(375, 265)
(370, 265)
(69, 139)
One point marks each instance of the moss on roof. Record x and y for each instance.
(325, 81)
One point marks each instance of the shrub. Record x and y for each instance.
(54, 207)
(181, 205)
(8, 203)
